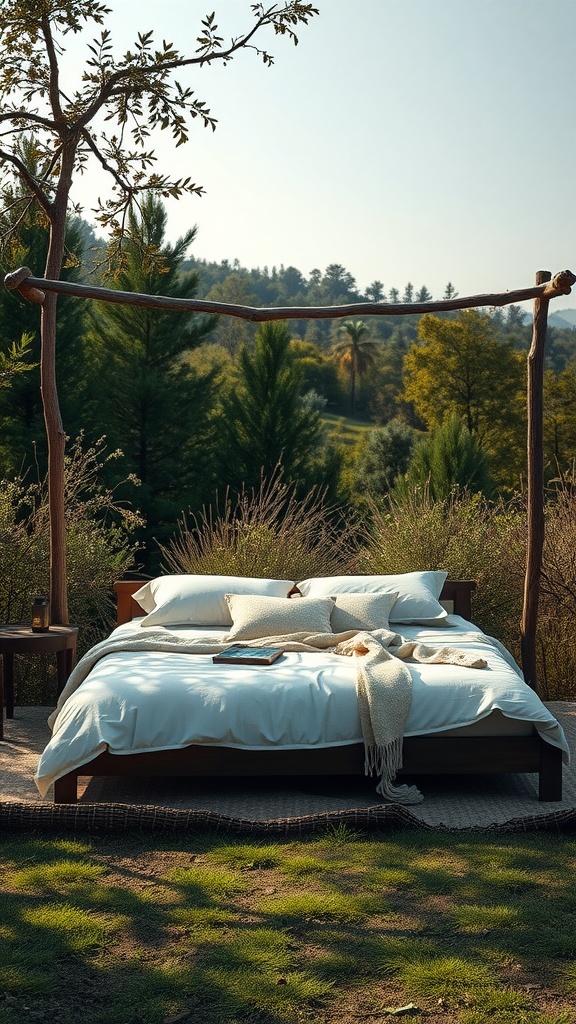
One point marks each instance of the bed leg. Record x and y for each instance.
(550, 775)
(66, 789)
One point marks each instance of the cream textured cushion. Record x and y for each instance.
(254, 616)
(199, 600)
(361, 611)
(417, 600)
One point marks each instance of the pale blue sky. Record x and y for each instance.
(409, 140)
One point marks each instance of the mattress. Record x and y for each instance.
(136, 701)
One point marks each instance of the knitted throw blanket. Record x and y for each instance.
(383, 683)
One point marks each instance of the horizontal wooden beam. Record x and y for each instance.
(33, 287)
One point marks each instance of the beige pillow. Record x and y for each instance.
(254, 616)
(361, 611)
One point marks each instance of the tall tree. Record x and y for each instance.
(147, 399)
(264, 422)
(355, 353)
(134, 95)
(375, 292)
(338, 285)
(291, 287)
(515, 317)
(462, 366)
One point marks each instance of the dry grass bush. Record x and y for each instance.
(99, 552)
(23, 553)
(271, 533)
(464, 534)
(556, 640)
(268, 532)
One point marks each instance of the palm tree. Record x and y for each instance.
(355, 354)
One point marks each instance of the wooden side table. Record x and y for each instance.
(18, 638)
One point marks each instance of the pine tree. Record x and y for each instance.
(449, 457)
(264, 423)
(145, 398)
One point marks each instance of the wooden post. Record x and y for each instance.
(535, 496)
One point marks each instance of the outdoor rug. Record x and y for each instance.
(273, 805)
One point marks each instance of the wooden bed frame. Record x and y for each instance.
(422, 755)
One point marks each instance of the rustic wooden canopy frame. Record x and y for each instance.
(546, 288)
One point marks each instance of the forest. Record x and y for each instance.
(185, 405)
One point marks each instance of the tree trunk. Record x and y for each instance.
(535, 540)
(53, 421)
(56, 450)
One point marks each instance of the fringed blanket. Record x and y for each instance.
(383, 683)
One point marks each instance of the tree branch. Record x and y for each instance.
(28, 115)
(54, 90)
(28, 178)
(91, 143)
(123, 75)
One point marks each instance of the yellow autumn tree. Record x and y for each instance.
(461, 365)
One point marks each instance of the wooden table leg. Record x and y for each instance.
(61, 671)
(65, 661)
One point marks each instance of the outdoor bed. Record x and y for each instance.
(375, 672)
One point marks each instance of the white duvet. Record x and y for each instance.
(137, 701)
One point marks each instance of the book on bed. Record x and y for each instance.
(241, 654)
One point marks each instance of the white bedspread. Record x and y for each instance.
(136, 701)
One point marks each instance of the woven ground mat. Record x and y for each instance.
(506, 803)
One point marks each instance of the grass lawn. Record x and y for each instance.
(457, 929)
(343, 430)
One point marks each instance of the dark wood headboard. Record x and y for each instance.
(456, 593)
(126, 607)
(456, 596)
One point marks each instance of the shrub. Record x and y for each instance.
(465, 534)
(99, 552)
(448, 457)
(384, 455)
(556, 634)
(266, 532)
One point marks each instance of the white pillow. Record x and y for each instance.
(417, 600)
(199, 600)
(255, 616)
(361, 611)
